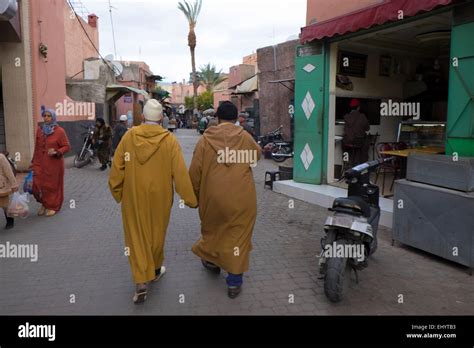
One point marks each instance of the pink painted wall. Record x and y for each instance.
(321, 10)
(121, 107)
(136, 79)
(135, 74)
(78, 47)
(182, 90)
(240, 73)
(49, 86)
(221, 93)
(251, 59)
(47, 25)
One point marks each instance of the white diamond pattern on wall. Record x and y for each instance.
(309, 68)
(307, 156)
(308, 105)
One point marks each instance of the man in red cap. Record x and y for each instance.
(355, 134)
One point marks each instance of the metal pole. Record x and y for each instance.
(113, 32)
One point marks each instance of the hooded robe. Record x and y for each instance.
(226, 195)
(147, 162)
(103, 134)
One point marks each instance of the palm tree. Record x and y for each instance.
(209, 77)
(192, 13)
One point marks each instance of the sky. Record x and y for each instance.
(155, 31)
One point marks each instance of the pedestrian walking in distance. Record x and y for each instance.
(103, 141)
(172, 125)
(227, 197)
(165, 121)
(147, 164)
(48, 164)
(243, 123)
(8, 185)
(119, 131)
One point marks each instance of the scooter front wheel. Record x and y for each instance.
(337, 277)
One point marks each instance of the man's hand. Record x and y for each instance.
(15, 189)
(191, 206)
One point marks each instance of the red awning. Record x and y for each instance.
(386, 11)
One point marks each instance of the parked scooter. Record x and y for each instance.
(351, 232)
(87, 154)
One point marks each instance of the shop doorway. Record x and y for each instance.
(400, 75)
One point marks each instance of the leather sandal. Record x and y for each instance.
(141, 293)
(41, 211)
(50, 213)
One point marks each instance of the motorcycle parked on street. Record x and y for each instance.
(270, 137)
(282, 150)
(351, 232)
(87, 153)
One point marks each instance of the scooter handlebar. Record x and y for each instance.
(367, 166)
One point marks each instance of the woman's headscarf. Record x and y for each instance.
(101, 121)
(48, 129)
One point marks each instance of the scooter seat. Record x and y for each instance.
(352, 203)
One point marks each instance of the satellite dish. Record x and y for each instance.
(118, 68)
(8, 9)
(109, 57)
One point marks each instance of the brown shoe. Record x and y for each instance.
(234, 291)
(211, 267)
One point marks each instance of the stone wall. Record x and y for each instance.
(276, 63)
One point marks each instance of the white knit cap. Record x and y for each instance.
(153, 111)
(123, 118)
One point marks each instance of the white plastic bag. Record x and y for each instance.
(18, 206)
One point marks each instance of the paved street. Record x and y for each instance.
(81, 253)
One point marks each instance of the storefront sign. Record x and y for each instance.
(128, 99)
(309, 50)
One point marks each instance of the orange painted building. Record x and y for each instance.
(182, 90)
(321, 10)
(137, 75)
(237, 75)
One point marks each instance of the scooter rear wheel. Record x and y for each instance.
(337, 277)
